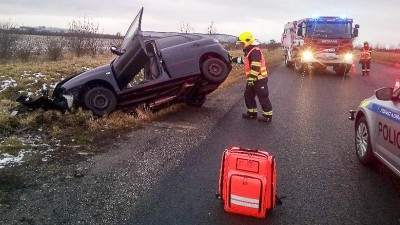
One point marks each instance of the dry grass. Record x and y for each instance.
(392, 59)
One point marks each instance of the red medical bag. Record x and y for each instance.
(247, 182)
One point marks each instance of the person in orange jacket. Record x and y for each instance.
(257, 78)
(365, 58)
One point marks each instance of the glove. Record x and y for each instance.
(238, 60)
(234, 59)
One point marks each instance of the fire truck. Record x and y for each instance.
(320, 42)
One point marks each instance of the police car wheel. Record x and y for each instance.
(363, 143)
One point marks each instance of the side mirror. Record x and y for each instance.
(299, 32)
(384, 94)
(116, 51)
(355, 31)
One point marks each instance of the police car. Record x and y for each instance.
(377, 129)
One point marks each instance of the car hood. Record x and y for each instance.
(99, 73)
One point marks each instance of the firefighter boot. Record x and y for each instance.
(265, 118)
(249, 115)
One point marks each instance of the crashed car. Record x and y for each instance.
(150, 72)
(377, 129)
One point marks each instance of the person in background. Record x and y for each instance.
(365, 58)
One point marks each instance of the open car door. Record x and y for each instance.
(132, 55)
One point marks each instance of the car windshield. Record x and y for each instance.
(132, 31)
(329, 30)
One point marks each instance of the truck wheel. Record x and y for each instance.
(214, 70)
(197, 100)
(287, 62)
(100, 101)
(298, 66)
(342, 70)
(363, 143)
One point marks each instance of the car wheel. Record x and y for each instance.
(100, 101)
(214, 70)
(363, 143)
(196, 100)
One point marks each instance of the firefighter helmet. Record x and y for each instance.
(246, 38)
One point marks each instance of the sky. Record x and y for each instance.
(265, 19)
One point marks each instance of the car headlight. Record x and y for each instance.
(348, 56)
(307, 55)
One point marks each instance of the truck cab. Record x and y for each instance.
(320, 42)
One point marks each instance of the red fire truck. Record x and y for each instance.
(316, 43)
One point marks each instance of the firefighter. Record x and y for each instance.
(365, 58)
(257, 78)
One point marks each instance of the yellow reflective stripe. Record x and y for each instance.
(253, 72)
(364, 103)
(251, 79)
(253, 110)
(268, 113)
(256, 64)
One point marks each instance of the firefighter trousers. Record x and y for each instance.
(366, 66)
(258, 88)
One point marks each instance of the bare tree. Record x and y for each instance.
(84, 36)
(186, 28)
(8, 40)
(211, 30)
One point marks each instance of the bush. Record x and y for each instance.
(55, 47)
(84, 38)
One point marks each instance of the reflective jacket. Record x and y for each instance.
(366, 53)
(251, 67)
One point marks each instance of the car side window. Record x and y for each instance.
(149, 72)
(138, 79)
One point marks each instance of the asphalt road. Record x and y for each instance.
(167, 172)
(313, 142)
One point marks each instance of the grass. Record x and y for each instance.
(392, 59)
(12, 146)
(54, 125)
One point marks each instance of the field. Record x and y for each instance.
(392, 59)
(48, 135)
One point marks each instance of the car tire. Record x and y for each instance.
(214, 70)
(100, 101)
(363, 143)
(196, 100)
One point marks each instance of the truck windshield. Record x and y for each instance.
(329, 30)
